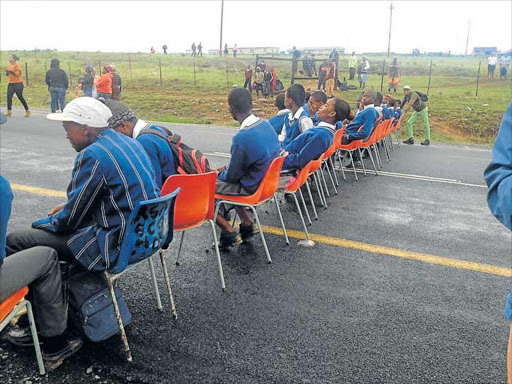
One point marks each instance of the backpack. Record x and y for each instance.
(90, 307)
(423, 96)
(188, 161)
(279, 85)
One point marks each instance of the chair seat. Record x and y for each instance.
(188, 226)
(251, 200)
(8, 305)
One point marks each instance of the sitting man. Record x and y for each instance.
(112, 173)
(124, 121)
(311, 144)
(362, 126)
(252, 150)
(39, 268)
(297, 121)
(315, 102)
(277, 121)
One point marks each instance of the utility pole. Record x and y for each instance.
(221, 23)
(390, 20)
(467, 39)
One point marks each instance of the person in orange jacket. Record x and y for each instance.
(104, 83)
(13, 72)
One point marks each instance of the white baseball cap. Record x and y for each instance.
(86, 111)
(407, 87)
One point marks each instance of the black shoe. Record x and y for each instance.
(426, 142)
(248, 231)
(356, 163)
(20, 336)
(229, 239)
(409, 141)
(54, 360)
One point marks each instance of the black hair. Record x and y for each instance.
(319, 96)
(392, 102)
(307, 97)
(55, 63)
(280, 101)
(15, 56)
(297, 93)
(240, 100)
(398, 102)
(378, 98)
(342, 109)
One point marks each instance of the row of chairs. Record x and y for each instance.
(188, 201)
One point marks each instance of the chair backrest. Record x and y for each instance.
(8, 304)
(149, 228)
(315, 164)
(301, 178)
(196, 202)
(337, 138)
(270, 181)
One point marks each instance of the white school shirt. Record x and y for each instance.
(248, 121)
(305, 123)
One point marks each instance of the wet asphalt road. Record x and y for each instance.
(330, 314)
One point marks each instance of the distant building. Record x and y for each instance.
(320, 51)
(484, 51)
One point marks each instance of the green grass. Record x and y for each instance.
(457, 115)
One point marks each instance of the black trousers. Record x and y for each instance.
(23, 239)
(247, 84)
(15, 88)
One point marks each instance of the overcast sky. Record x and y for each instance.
(363, 26)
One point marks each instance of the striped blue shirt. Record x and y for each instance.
(109, 178)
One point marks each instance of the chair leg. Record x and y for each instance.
(155, 283)
(325, 183)
(361, 153)
(331, 162)
(311, 200)
(217, 253)
(168, 283)
(261, 234)
(326, 163)
(397, 137)
(341, 166)
(282, 221)
(35, 339)
(321, 189)
(179, 248)
(308, 242)
(353, 164)
(118, 316)
(318, 190)
(373, 162)
(305, 207)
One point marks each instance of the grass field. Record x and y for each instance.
(456, 114)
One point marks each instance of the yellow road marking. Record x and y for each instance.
(423, 257)
(38, 191)
(337, 242)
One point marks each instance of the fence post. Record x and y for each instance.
(336, 73)
(294, 67)
(45, 67)
(130, 65)
(99, 66)
(478, 78)
(227, 72)
(382, 75)
(257, 60)
(26, 72)
(70, 77)
(195, 85)
(429, 76)
(160, 65)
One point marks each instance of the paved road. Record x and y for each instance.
(371, 310)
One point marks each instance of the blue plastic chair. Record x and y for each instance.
(149, 230)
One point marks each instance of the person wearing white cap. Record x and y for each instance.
(112, 173)
(418, 102)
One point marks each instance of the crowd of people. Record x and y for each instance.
(122, 160)
(492, 61)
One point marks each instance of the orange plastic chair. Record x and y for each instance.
(315, 166)
(327, 158)
(396, 129)
(301, 179)
(266, 191)
(195, 205)
(10, 308)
